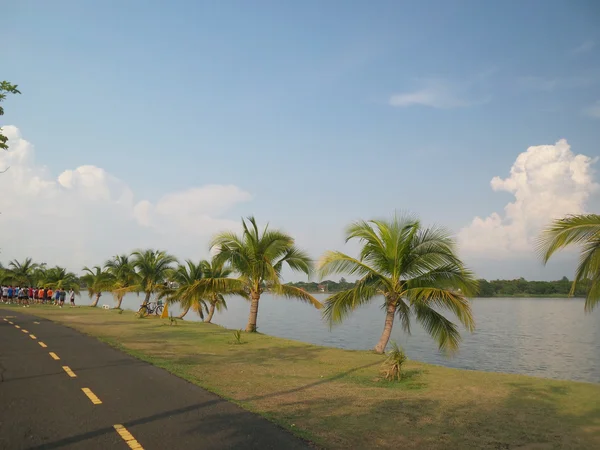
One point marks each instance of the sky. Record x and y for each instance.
(155, 124)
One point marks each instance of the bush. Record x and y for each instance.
(392, 366)
(237, 335)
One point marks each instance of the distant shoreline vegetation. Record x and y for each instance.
(487, 289)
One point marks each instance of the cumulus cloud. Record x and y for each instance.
(547, 181)
(85, 215)
(441, 94)
(593, 110)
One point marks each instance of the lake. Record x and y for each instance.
(546, 337)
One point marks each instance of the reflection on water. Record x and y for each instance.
(545, 337)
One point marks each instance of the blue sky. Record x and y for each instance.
(323, 112)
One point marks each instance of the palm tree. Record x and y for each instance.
(583, 230)
(213, 272)
(184, 280)
(415, 269)
(97, 281)
(152, 268)
(23, 273)
(258, 259)
(123, 275)
(59, 278)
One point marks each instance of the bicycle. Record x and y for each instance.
(151, 308)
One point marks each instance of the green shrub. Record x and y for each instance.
(392, 366)
(237, 335)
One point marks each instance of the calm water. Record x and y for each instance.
(544, 337)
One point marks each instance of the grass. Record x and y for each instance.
(338, 398)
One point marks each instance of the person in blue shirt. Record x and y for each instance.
(10, 293)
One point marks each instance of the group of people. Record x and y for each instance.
(26, 295)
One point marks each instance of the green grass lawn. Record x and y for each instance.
(337, 399)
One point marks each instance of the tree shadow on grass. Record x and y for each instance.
(528, 418)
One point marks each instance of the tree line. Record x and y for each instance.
(414, 269)
(487, 288)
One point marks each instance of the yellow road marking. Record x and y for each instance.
(69, 371)
(10, 322)
(32, 336)
(42, 344)
(54, 356)
(128, 438)
(25, 331)
(17, 326)
(37, 323)
(95, 400)
(5, 319)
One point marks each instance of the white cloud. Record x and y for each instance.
(86, 215)
(547, 181)
(441, 94)
(593, 110)
(584, 47)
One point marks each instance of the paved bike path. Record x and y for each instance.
(42, 406)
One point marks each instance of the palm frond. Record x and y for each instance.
(573, 229)
(442, 330)
(293, 292)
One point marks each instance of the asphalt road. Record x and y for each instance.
(95, 397)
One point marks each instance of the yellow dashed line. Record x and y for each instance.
(128, 438)
(17, 326)
(95, 400)
(5, 319)
(32, 336)
(10, 322)
(69, 371)
(54, 356)
(37, 323)
(42, 344)
(25, 331)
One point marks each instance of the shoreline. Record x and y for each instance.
(336, 398)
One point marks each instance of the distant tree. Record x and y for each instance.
(582, 230)
(183, 288)
(258, 258)
(123, 276)
(97, 281)
(5, 89)
(22, 273)
(152, 268)
(60, 278)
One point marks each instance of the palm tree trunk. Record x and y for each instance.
(119, 301)
(387, 328)
(147, 298)
(97, 299)
(211, 313)
(185, 311)
(251, 327)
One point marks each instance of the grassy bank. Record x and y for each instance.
(336, 397)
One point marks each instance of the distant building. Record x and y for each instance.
(322, 287)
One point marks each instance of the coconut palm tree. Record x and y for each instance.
(59, 278)
(152, 268)
(182, 288)
(258, 258)
(123, 275)
(415, 269)
(213, 272)
(23, 273)
(97, 281)
(582, 230)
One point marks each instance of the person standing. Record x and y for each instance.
(63, 296)
(72, 296)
